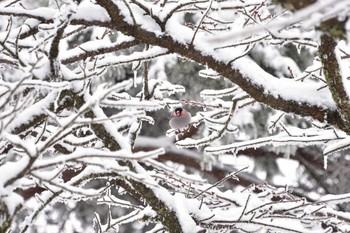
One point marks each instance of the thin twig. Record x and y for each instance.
(232, 175)
(199, 24)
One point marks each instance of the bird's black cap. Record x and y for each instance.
(178, 110)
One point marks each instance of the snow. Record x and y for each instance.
(11, 170)
(209, 73)
(80, 154)
(11, 199)
(325, 162)
(158, 69)
(91, 46)
(178, 32)
(133, 104)
(86, 11)
(307, 93)
(181, 207)
(280, 139)
(91, 12)
(111, 128)
(340, 145)
(142, 19)
(41, 67)
(136, 56)
(287, 89)
(39, 13)
(308, 15)
(273, 58)
(219, 93)
(335, 199)
(288, 169)
(195, 201)
(35, 110)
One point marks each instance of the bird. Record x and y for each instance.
(181, 118)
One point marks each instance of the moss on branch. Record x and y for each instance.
(334, 79)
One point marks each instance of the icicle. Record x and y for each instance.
(234, 152)
(38, 198)
(325, 162)
(135, 66)
(135, 77)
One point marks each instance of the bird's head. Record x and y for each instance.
(178, 112)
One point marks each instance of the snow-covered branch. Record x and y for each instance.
(81, 81)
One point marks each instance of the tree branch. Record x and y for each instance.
(168, 217)
(334, 78)
(107, 49)
(256, 91)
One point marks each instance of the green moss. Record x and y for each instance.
(334, 27)
(334, 80)
(294, 4)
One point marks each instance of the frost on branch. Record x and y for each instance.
(86, 88)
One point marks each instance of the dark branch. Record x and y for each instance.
(334, 79)
(254, 90)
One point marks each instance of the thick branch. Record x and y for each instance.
(334, 78)
(99, 129)
(168, 217)
(54, 50)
